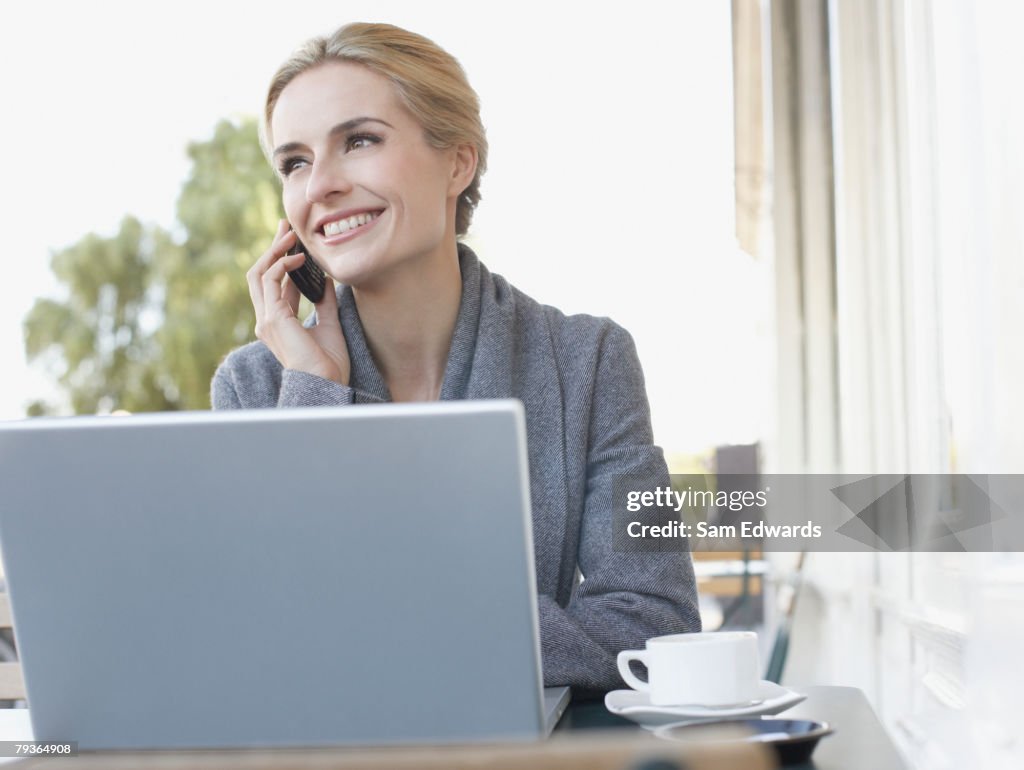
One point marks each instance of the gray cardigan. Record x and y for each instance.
(587, 422)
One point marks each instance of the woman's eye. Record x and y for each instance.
(359, 141)
(288, 165)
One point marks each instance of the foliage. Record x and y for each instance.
(148, 316)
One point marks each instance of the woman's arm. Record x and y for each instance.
(252, 378)
(625, 597)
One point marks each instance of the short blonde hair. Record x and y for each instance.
(430, 82)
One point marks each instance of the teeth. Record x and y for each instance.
(344, 225)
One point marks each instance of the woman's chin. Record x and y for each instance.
(349, 268)
(373, 272)
(352, 273)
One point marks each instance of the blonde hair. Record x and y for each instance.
(430, 82)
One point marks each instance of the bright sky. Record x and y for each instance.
(609, 188)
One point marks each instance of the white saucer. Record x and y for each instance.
(633, 704)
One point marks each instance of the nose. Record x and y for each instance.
(326, 179)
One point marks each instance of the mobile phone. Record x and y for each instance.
(310, 278)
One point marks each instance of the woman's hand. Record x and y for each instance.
(320, 350)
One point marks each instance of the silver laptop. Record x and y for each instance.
(286, 577)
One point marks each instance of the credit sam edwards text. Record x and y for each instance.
(735, 500)
(751, 529)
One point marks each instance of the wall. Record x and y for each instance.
(927, 268)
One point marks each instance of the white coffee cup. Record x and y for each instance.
(709, 669)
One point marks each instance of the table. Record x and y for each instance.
(572, 750)
(859, 740)
(587, 736)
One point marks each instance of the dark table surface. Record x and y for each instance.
(858, 741)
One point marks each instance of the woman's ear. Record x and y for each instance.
(463, 168)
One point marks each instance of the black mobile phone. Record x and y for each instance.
(310, 278)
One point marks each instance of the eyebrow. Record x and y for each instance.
(341, 128)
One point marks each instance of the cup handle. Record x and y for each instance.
(623, 662)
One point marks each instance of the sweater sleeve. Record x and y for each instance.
(251, 378)
(625, 597)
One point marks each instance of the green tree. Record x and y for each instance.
(149, 315)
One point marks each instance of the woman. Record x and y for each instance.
(376, 135)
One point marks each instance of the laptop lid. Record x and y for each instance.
(274, 577)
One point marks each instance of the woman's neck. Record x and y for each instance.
(408, 323)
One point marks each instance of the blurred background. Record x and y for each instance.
(808, 214)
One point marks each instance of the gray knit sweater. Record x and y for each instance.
(587, 421)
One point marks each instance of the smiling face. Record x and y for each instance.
(361, 187)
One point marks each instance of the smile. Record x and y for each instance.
(340, 226)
